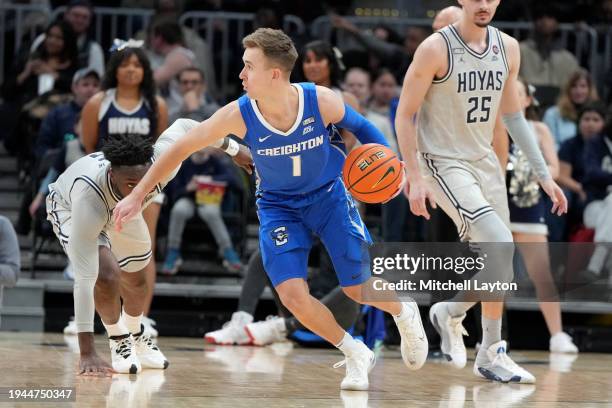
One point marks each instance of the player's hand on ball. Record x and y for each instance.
(244, 159)
(556, 196)
(418, 195)
(126, 209)
(400, 188)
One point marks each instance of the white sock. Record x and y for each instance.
(131, 322)
(348, 345)
(117, 329)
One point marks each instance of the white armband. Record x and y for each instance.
(228, 145)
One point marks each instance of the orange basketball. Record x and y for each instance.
(372, 173)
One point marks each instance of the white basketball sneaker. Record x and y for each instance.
(358, 366)
(266, 332)
(148, 324)
(148, 353)
(71, 329)
(500, 366)
(451, 333)
(123, 354)
(414, 345)
(232, 332)
(562, 343)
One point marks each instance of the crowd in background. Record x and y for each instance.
(62, 84)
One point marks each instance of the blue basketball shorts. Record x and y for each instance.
(287, 225)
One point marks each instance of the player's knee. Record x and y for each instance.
(108, 277)
(490, 228)
(354, 292)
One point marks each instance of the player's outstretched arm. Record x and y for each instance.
(428, 60)
(226, 120)
(521, 133)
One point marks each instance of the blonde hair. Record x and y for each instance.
(564, 103)
(276, 46)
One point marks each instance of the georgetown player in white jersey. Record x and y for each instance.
(108, 262)
(460, 77)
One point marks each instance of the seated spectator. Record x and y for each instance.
(167, 42)
(598, 186)
(170, 10)
(357, 82)
(49, 68)
(79, 14)
(61, 120)
(10, 257)
(561, 118)
(591, 121)
(196, 103)
(544, 60)
(385, 92)
(202, 168)
(392, 55)
(71, 151)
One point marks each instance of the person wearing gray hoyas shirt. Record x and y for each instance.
(10, 263)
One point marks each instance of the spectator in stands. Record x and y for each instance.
(170, 10)
(10, 257)
(561, 118)
(167, 41)
(357, 82)
(322, 64)
(203, 168)
(544, 60)
(591, 121)
(49, 68)
(79, 14)
(128, 104)
(384, 93)
(598, 186)
(71, 151)
(196, 103)
(61, 120)
(392, 55)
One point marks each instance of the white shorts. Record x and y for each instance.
(466, 190)
(131, 247)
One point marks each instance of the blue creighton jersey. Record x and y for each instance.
(306, 157)
(114, 120)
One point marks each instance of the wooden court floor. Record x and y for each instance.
(285, 376)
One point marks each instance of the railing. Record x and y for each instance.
(585, 37)
(224, 30)
(113, 22)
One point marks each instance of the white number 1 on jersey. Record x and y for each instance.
(297, 165)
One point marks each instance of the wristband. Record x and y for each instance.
(233, 147)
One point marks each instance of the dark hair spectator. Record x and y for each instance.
(196, 102)
(544, 60)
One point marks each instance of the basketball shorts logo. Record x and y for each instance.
(280, 236)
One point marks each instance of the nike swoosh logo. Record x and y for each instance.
(263, 139)
(390, 170)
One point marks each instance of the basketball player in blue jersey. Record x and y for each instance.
(300, 192)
